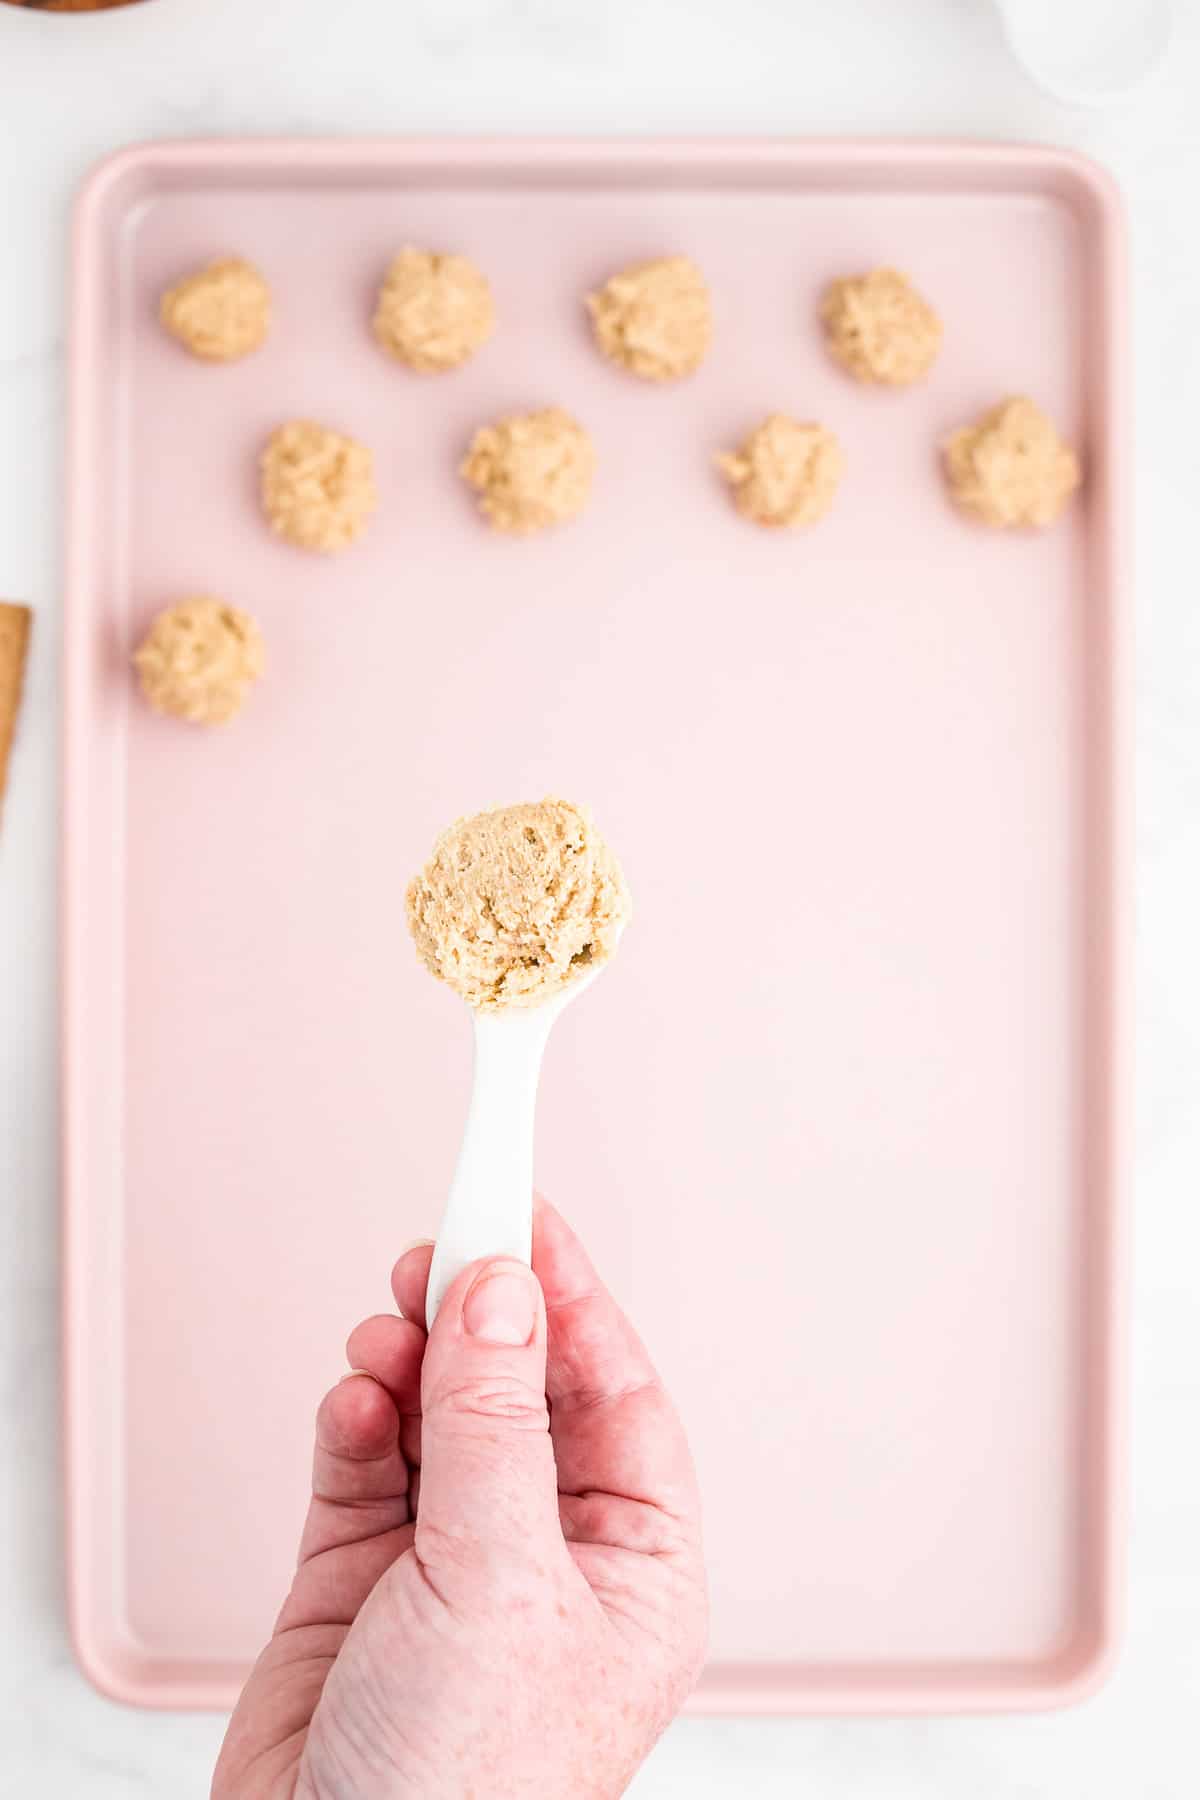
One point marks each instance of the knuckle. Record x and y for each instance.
(497, 1398)
(443, 1547)
(506, 1569)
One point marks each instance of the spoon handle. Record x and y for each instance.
(489, 1211)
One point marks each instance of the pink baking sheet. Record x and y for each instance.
(844, 1124)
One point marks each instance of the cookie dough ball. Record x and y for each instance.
(785, 473)
(880, 329)
(1011, 467)
(531, 470)
(654, 319)
(318, 488)
(434, 312)
(517, 903)
(199, 660)
(220, 313)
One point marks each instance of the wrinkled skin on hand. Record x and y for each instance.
(500, 1588)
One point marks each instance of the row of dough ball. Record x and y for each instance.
(655, 319)
(201, 658)
(435, 311)
(533, 470)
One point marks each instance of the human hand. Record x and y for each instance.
(494, 1597)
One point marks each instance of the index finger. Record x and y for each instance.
(614, 1427)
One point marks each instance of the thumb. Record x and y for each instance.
(488, 1491)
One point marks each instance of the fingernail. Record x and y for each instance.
(352, 1374)
(417, 1244)
(501, 1307)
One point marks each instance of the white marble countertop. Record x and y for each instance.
(71, 89)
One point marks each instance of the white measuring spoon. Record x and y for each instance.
(489, 1211)
(1088, 52)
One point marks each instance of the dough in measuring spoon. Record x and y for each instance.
(517, 903)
